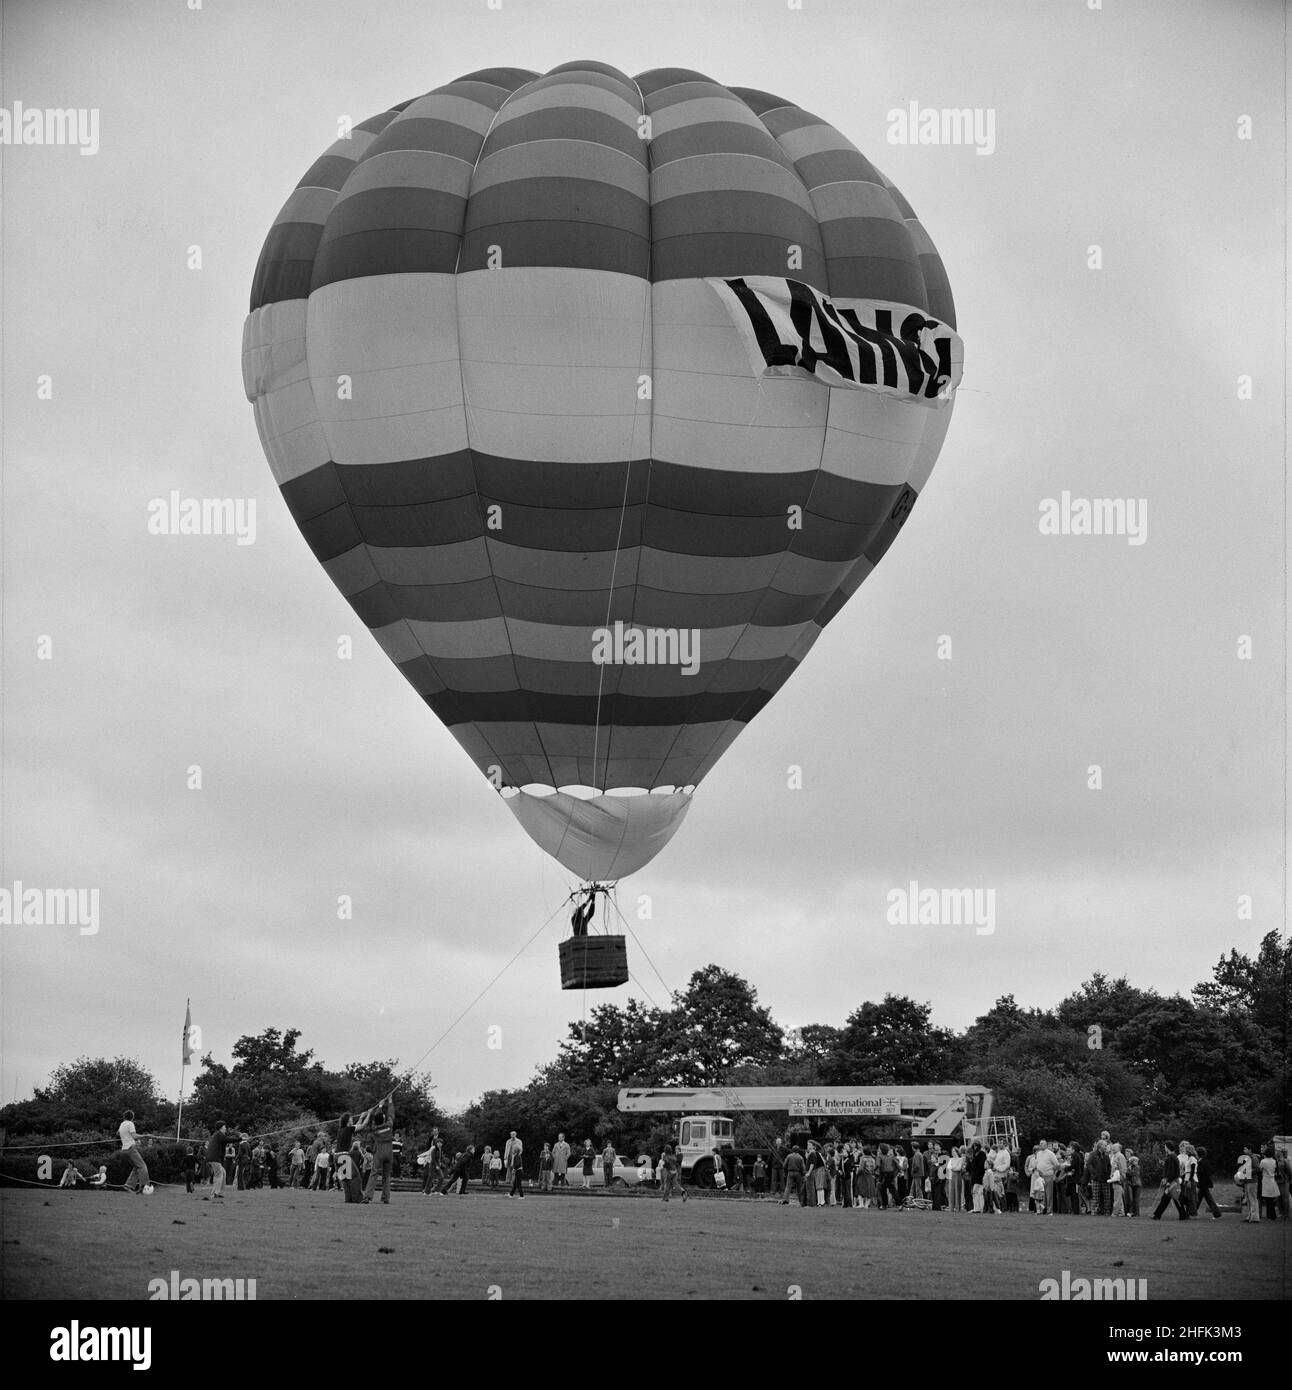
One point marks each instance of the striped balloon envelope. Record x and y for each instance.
(597, 397)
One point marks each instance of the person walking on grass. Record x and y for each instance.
(138, 1179)
(1170, 1186)
(670, 1173)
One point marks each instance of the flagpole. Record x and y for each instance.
(179, 1114)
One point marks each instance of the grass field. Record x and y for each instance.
(605, 1246)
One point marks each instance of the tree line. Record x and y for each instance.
(1212, 1066)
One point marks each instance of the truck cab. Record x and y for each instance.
(699, 1138)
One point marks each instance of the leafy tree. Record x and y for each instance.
(616, 1047)
(891, 1043)
(715, 1026)
(1109, 1003)
(90, 1094)
(1047, 1106)
(1258, 989)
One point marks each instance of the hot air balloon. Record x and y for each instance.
(597, 397)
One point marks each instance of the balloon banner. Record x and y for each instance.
(789, 326)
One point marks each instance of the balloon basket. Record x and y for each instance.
(594, 962)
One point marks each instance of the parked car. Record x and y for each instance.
(639, 1174)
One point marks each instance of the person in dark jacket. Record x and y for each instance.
(1100, 1169)
(795, 1170)
(458, 1174)
(383, 1157)
(1170, 1186)
(1206, 1181)
(978, 1176)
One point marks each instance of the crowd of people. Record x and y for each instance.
(977, 1178)
(991, 1179)
(355, 1163)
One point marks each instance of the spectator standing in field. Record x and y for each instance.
(244, 1163)
(795, 1170)
(1134, 1181)
(512, 1142)
(545, 1169)
(819, 1171)
(1246, 1180)
(777, 1166)
(886, 1172)
(900, 1175)
(192, 1168)
(760, 1174)
(917, 1171)
(215, 1159)
(1047, 1168)
(1282, 1172)
(495, 1167)
(1170, 1186)
(396, 1153)
(312, 1160)
(296, 1171)
(847, 1175)
(1118, 1173)
(608, 1165)
(138, 1178)
(1269, 1184)
(271, 1163)
(588, 1161)
(956, 1179)
(560, 1162)
(354, 1187)
(670, 1174)
(515, 1159)
(1100, 1169)
(1060, 1179)
(977, 1170)
(322, 1168)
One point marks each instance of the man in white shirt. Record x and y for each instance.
(138, 1178)
(1047, 1165)
(1001, 1162)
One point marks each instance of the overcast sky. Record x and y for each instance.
(1117, 128)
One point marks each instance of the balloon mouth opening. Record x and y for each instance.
(582, 793)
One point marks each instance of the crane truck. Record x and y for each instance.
(950, 1114)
